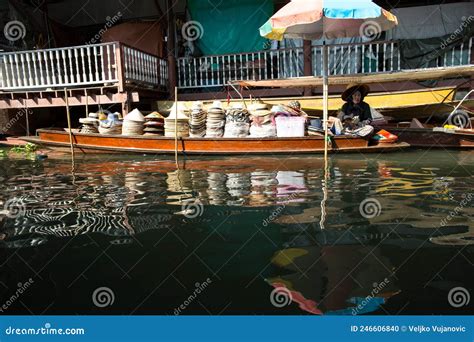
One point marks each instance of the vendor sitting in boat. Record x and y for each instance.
(355, 106)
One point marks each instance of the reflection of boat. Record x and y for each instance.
(434, 137)
(206, 146)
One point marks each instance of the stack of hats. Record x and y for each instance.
(154, 124)
(197, 121)
(177, 123)
(111, 125)
(133, 123)
(237, 122)
(90, 124)
(215, 120)
(263, 124)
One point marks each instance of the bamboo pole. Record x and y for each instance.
(68, 113)
(325, 100)
(27, 119)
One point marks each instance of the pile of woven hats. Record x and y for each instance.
(90, 124)
(197, 121)
(215, 120)
(111, 125)
(154, 124)
(237, 122)
(177, 123)
(263, 123)
(133, 123)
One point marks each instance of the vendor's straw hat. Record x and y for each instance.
(352, 88)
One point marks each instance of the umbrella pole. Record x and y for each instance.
(325, 99)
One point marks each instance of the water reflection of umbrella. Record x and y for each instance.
(327, 19)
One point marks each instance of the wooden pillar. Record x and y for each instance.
(171, 47)
(307, 64)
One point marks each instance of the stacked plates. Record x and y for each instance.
(263, 123)
(197, 121)
(215, 120)
(111, 125)
(154, 124)
(90, 124)
(133, 123)
(237, 122)
(177, 123)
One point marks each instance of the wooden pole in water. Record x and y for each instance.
(27, 119)
(68, 113)
(325, 99)
(176, 127)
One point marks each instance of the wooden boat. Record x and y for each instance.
(59, 139)
(433, 137)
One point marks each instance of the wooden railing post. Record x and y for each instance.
(307, 63)
(171, 46)
(120, 64)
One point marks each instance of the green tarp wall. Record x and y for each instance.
(230, 26)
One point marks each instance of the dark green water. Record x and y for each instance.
(218, 236)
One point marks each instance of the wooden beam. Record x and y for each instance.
(399, 76)
(78, 100)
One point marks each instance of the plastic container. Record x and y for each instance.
(290, 126)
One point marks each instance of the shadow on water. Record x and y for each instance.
(132, 234)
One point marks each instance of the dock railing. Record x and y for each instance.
(81, 66)
(344, 59)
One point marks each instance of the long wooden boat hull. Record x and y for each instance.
(426, 137)
(204, 146)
